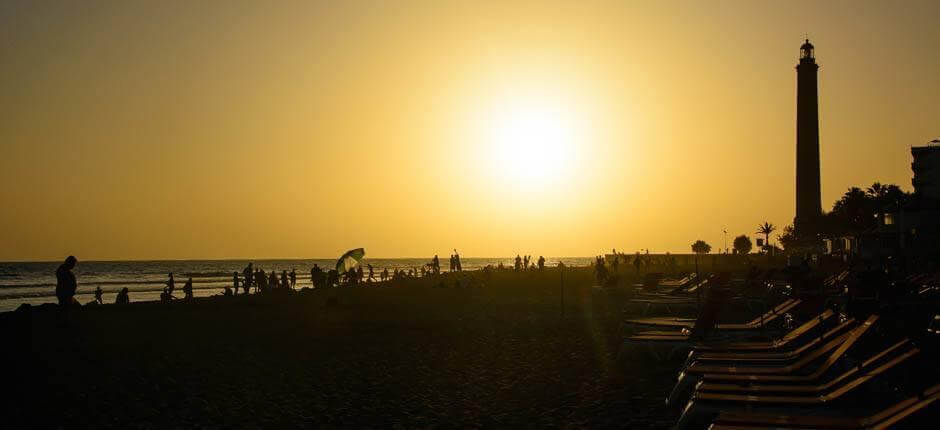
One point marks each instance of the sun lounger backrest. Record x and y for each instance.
(852, 338)
(839, 392)
(772, 314)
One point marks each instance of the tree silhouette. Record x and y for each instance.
(788, 238)
(766, 229)
(743, 244)
(700, 247)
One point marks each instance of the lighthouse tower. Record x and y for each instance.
(808, 196)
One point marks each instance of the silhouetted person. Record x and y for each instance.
(332, 278)
(285, 281)
(65, 282)
(371, 273)
(248, 274)
(123, 297)
(457, 261)
(316, 276)
(98, 295)
(272, 280)
(436, 265)
(600, 270)
(170, 285)
(235, 282)
(165, 295)
(293, 278)
(637, 262)
(188, 289)
(541, 262)
(518, 263)
(261, 281)
(385, 274)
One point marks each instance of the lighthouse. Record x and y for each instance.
(808, 195)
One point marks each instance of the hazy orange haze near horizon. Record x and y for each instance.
(171, 130)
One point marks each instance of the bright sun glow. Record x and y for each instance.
(533, 143)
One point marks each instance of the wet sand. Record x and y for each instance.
(497, 354)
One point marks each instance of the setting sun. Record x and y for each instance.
(533, 143)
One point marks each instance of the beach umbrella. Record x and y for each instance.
(350, 259)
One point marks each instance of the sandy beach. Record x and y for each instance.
(496, 354)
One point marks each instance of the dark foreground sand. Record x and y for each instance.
(412, 356)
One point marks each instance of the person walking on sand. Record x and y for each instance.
(123, 297)
(170, 285)
(293, 278)
(188, 289)
(98, 294)
(371, 274)
(65, 282)
(235, 282)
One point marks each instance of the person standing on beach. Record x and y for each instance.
(65, 282)
(518, 263)
(371, 274)
(98, 294)
(457, 261)
(293, 278)
(170, 286)
(235, 282)
(123, 297)
(188, 289)
(248, 274)
(436, 265)
(541, 262)
(285, 282)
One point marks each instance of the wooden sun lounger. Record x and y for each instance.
(709, 403)
(838, 346)
(794, 386)
(771, 345)
(811, 399)
(695, 372)
(776, 355)
(756, 323)
(881, 420)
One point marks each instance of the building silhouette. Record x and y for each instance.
(926, 168)
(808, 195)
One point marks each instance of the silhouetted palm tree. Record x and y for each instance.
(766, 229)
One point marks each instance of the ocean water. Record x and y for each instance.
(34, 282)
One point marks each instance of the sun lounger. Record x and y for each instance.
(796, 386)
(881, 420)
(756, 323)
(705, 404)
(835, 348)
(779, 354)
(770, 345)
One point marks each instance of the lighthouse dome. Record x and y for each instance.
(806, 50)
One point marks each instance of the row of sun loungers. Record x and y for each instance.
(830, 372)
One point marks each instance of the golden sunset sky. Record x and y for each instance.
(229, 129)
